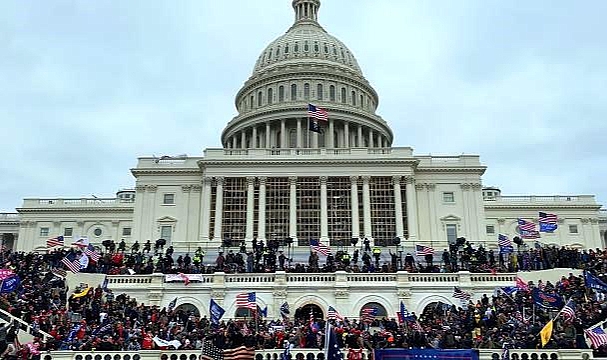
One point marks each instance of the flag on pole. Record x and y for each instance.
(332, 350)
(422, 250)
(246, 300)
(546, 333)
(597, 336)
(92, 253)
(317, 113)
(568, 310)
(172, 305)
(71, 263)
(216, 312)
(368, 314)
(55, 241)
(316, 245)
(548, 222)
(404, 314)
(521, 284)
(333, 314)
(527, 229)
(460, 294)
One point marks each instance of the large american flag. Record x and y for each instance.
(421, 250)
(368, 314)
(568, 310)
(246, 300)
(333, 314)
(71, 263)
(525, 225)
(316, 245)
(597, 336)
(92, 253)
(55, 241)
(318, 113)
(548, 218)
(503, 240)
(460, 294)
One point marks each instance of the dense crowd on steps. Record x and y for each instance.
(103, 320)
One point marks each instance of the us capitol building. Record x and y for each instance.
(276, 180)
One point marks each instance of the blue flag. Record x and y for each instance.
(414, 354)
(263, 312)
(594, 282)
(509, 290)
(506, 249)
(216, 312)
(547, 227)
(332, 350)
(547, 301)
(10, 284)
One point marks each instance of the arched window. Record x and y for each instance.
(343, 95)
(286, 48)
(319, 92)
(293, 92)
(270, 95)
(270, 56)
(259, 98)
(332, 92)
(252, 102)
(334, 50)
(307, 91)
(281, 93)
(361, 101)
(277, 51)
(243, 313)
(296, 48)
(353, 98)
(316, 47)
(326, 49)
(306, 47)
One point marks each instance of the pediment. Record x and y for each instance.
(167, 219)
(450, 218)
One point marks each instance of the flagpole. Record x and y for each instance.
(308, 132)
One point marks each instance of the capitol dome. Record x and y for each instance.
(306, 65)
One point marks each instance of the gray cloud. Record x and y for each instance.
(89, 87)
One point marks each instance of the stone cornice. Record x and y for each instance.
(453, 169)
(309, 161)
(541, 206)
(165, 171)
(76, 209)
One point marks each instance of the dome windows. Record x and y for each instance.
(259, 98)
(306, 47)
(354, 98)
(270, 55)
(270, 95)
(293, 92)
(316, 49)
(277, 51)
(343, 95)
(306, 91)
(332, 92)
(319, 91)
(296, 47)
(281, 93)
(326, 48)
(286, 48)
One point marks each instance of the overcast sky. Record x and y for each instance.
(86, 87)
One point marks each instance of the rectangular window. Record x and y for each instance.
(126, 231)
(451, 233)
(67, 232)
(490, 229)
(44, 231)
(168, 199)
(449, 197)
(573, 229)
(165, 233)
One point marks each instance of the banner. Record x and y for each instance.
(594, 282)
(415, 354)
(10, 284)
(183, 277)
(216, 312)
(547, 301)
(165, 344)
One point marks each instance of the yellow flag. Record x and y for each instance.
(83, 293)
(546, 333)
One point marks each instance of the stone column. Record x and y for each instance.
(331, 139)
(250, 208)
(346, 134)
(293, 207)
(299, 138)
(217, 233)
(233, 141)
(324, 218)
(243, 139)
(254, 143)
(205, 211)
(283, 134)
(467, 208)
(371, 138)
(354, 201)
(261, 225)
(367, 208)
(359, 139)
(411, 208)
(398, 207)
(268, 145)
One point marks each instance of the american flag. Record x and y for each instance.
(333, 314)
(525, 225)
(597, 336)
(92, 253)
(368, 314)
(568, 310)
(56, 241)
(316, 245)
(318, 113)
(548, 218)
(521, 284)
(82, 242)
(421, 250)
(459, 294)
(71, 263)
(246, 300)
(503, 240)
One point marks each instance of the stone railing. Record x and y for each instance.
(305, 354)
(553, 199)
(9, 217)
(217, 154)
(83, 202)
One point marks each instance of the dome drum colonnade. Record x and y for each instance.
(306, 65)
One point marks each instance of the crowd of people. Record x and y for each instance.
(102, 320)
(271, 256)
